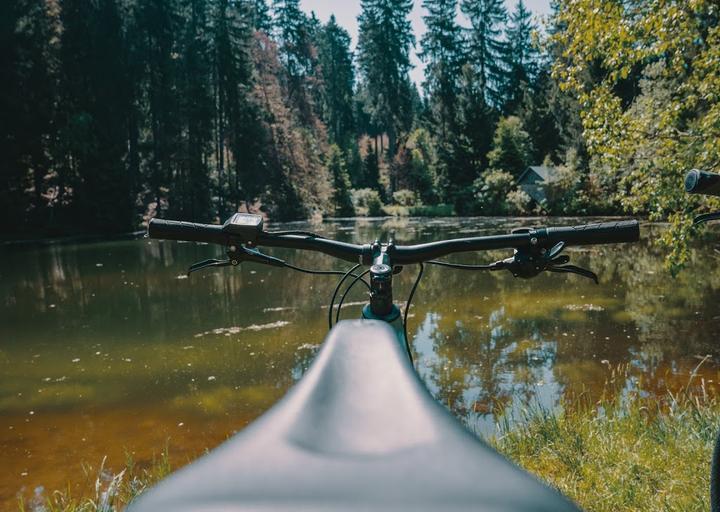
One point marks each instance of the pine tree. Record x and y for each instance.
(371, 170)
(292, 31)
(157, 25)
(335, 60)
(486, 46)
(521, 59)
(384, 44)
(238, 116)
(27, 95)
(468, 149)
(190, 193)
(442, 50)
(260, 15)
(341, 198)
(94, 103)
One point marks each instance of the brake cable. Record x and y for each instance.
(407, 310)
(342, 299)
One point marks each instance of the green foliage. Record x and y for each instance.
(405, 197)
(646, 74)
(384, 58)
(491, 191)
(521, 57)
(342, 197)
(335, 59)
(487, 47)
(512, 147)
(367, 202)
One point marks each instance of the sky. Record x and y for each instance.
(346, 13)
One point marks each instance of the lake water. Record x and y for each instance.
(107, 349)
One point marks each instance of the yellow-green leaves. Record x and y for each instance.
(647, 74)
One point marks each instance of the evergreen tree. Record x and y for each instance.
(442, 50)
(238, 117)
(486, 46)
(260, 15)
(384, 44)
(292, 29)
(94, 104)
(335, 60)
(341, 198)
(157, 23)
(190, 193)
(371, 170)
(521, 59)
(27, 95)
(512, 147)
(467, 151)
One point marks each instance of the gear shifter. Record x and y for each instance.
(528, 263)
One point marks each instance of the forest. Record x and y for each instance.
(115, 111)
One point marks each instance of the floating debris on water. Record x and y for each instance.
(211, 378)
(308, 346)
(76, 360)
(584, 307)
(281, 308)
(227, 331)
(181, 276)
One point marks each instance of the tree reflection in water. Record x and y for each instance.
(112, 350)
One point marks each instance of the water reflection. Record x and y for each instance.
(106, 349)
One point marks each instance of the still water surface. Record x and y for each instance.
(106, 349)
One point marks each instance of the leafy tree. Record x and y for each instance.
(384, 44)
(486, 47)
(644, 142)
(341, 198)
(491, 191)
(512, 147)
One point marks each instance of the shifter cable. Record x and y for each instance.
(407, 310)
(460, 266)
(337, 288)
(342, 299)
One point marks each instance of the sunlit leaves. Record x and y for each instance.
(647, 74)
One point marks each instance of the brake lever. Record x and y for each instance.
(236, 255)
(572, 269)
(209, 263)
(706, 217)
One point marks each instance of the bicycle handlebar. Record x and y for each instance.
(702, 182)
(587, 234)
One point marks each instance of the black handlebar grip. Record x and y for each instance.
(601, 233)
(702, 182)
(186, 231)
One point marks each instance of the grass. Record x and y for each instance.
(630, 453)
(621, 454)
(109, 493)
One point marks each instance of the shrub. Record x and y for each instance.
(491, 191)
(367, 201)
(405, 197)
